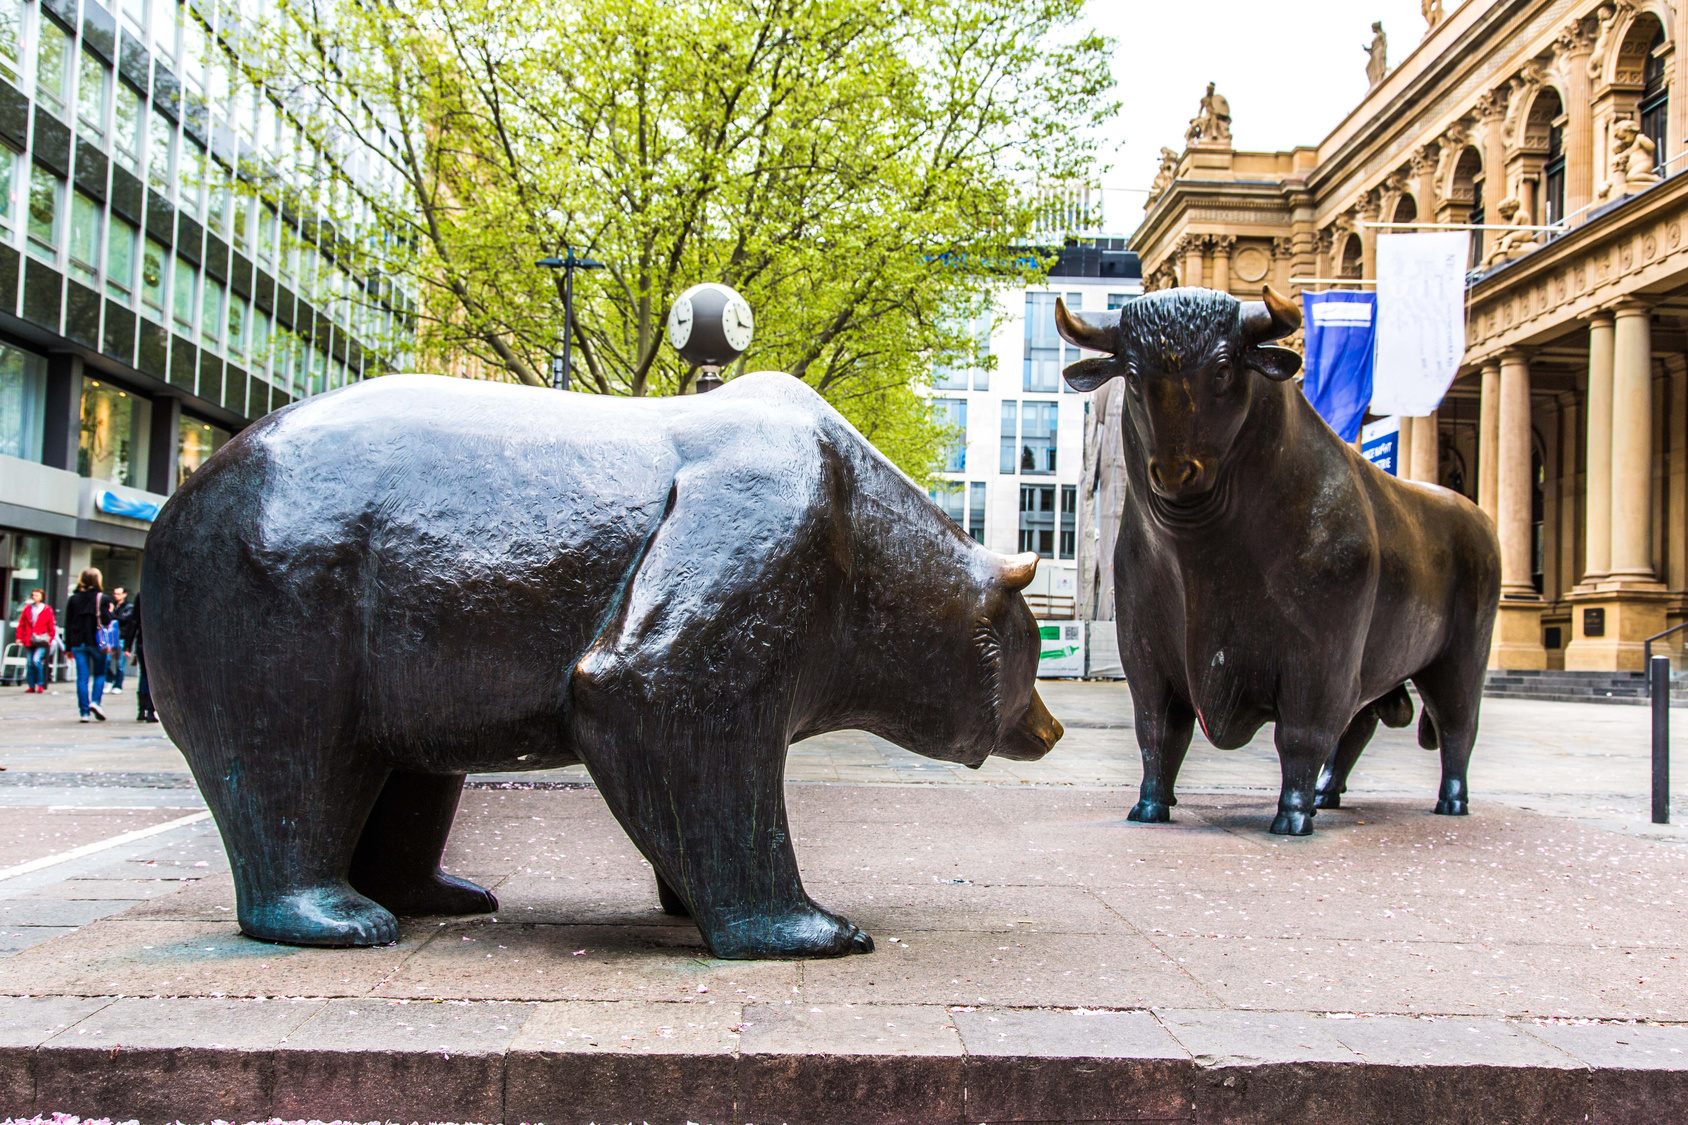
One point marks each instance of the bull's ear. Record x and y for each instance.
(1095, 331)
(1274, 363)
(1088, 374)
(1270, 318)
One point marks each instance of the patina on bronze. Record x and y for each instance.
(1265, 571)
(371, 593)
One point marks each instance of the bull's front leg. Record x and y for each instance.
(1164, 725)
(1302, 752)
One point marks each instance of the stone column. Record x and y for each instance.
(1488, 439)
(1517, 639)
(1615, 611)
(1512, 507)
(1598, 554)
(1579, 124)
(1426, 450)
(1223, 245)
(1632, 444)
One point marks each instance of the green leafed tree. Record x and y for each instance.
(863, 171)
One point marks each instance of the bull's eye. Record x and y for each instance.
(1134, 382)
(1222, 377)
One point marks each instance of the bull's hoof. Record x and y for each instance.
(1451, 798)
(1327, 799)
(1150, 812)
(815, 933)
(1452, 806)
(442, 895)
(331, 916)
(1295, 823)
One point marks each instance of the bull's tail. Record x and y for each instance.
(1396, 708)
(1427, 732)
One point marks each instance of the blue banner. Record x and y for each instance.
(1341, 339)
(1380, 443)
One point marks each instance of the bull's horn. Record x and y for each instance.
(1097, 331)
(1018, 570)
(1271, 318)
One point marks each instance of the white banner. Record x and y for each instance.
(1420, 319)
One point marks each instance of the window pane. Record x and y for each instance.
(127, 132)
(211, 310)
(8, 171)
(196, 441)
(91, 95)
(152, 278)
(112, 428)
(11, 39)
(952, 414)
(120, 258)
(237, 325)
(160, 139)
(976, 511)
(23, 403)
(1010, 436)
(164, 27)
(181, 293)
(84, 237)
(1037, 438)
(1043, 344)
(51, 64)
(44, 207)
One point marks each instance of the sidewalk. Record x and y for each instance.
(1037, 957)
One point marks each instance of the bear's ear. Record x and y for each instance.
(1273, 362)
(1017, 571)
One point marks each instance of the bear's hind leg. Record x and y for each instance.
(397, 861)
(290, 839)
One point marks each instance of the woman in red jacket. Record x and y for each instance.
(36, 631)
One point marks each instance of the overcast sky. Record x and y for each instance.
(1292, 69)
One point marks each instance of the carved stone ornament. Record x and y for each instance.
(1512, 244)
(1433, 13)
(1609, 16)
(1634, 160)
(426, 577)
(1164, 175)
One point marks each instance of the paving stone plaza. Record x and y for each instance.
(1032, 947)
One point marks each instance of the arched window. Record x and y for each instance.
(1406, 211)
(1553, 177)
(1654, 109)
(1353, 263)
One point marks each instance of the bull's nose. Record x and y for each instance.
(1182, 473)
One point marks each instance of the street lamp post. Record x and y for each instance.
(565, 289)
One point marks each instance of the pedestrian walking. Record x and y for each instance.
(120, 611)
(86, 615)
(36, 632)
(128, 620)
(143, 692)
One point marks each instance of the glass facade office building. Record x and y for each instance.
(160, 284)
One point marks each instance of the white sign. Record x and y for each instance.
(1380, 443)
(1063, 649)
(1420, 320)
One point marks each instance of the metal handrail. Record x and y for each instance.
(1647, 645)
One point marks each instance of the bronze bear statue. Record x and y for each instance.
(369, 594)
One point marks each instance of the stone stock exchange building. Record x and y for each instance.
(1568, 422)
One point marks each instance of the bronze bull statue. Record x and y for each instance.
(372, 593)
(1266, 572)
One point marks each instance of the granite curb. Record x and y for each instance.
(561, 1062)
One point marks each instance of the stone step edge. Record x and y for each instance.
(203, 1059)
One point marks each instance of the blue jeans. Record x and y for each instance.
(90, 665)
(114, 667)
(38, 665)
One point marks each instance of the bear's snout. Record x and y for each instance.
(1033, 736)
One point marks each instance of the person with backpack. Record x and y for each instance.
(122, 610)
(36, 632)
(87, 615)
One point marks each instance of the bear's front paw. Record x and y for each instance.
(807, 933)
(443, 895)
(334, 916)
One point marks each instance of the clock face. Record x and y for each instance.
(680, 322)
(736, 324)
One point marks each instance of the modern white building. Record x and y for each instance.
(1013, 480)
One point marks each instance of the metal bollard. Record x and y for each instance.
(1659, 674)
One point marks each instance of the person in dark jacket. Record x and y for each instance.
(85, 614)
(123, 608)
(143, 692)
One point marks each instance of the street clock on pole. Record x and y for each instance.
(710, 326)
